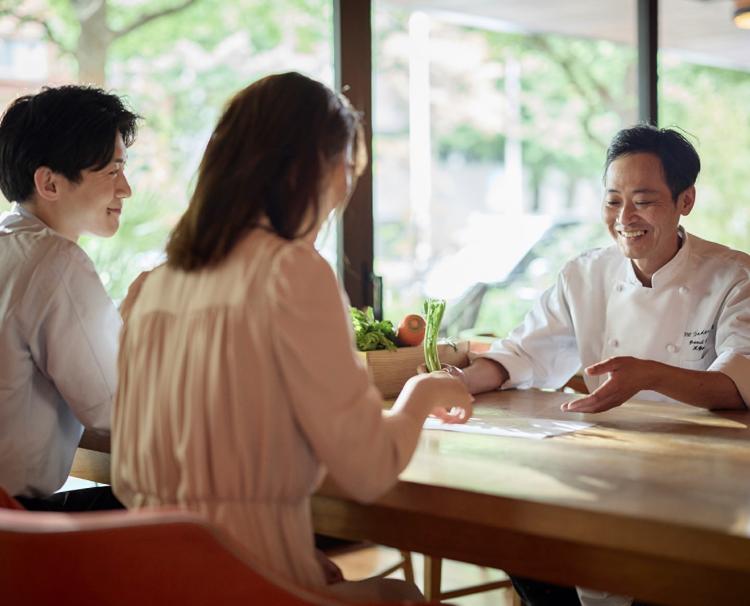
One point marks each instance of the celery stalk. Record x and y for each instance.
(433, 313)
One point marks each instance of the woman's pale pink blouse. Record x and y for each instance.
(238, 387)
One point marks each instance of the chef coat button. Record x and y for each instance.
(683, 290)
(620, 288)
(671, 348)
(614, 342)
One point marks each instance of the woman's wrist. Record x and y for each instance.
(456, 372)
(414, 399)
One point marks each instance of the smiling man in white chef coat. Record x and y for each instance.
(661, 314)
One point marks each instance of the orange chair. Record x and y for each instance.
(8, 502)
(130, 559)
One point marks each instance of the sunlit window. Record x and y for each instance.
(704, 66)
(490, 134)
(177, 69)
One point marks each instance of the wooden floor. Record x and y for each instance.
(366, 562)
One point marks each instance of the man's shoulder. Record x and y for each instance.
(723, 258)
(35, 262)
(593, 260)
(43, 250)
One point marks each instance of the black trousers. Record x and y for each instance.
(85, 499)
(538, 593)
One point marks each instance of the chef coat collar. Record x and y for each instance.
(670, 270)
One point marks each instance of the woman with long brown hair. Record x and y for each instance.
(238, 380)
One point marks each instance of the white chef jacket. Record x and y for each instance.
(696, 315)
(58, 351)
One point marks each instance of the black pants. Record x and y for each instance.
(85, 499)
(538, 593)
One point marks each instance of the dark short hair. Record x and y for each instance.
(678, 157)
(67, 129)
(265, 161)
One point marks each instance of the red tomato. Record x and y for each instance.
(411, 330)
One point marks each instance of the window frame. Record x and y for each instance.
(352, 40)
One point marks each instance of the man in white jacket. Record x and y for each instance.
(661, 315)
(62, 158)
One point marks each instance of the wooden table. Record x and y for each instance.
(653, 501)
(92, 459)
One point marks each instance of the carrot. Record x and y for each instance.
(410, 330)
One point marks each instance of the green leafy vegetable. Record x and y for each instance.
(370, 333)
(433, 313)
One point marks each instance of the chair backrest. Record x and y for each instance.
(7, 501)
(130, 558)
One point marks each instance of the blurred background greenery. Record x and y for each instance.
(517, 125)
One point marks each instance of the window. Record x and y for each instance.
(704, 67)
(491, 125)
(177, 71)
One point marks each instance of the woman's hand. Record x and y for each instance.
(482, 374)
(450, 401)
(436, 393)
(454, 414)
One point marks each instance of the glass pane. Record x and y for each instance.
(491, 124)
(177, 71)
(704, 65)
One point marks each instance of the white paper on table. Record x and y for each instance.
(535, 429)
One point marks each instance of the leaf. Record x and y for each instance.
(371, 334)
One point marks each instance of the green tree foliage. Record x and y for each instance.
(711, 106)
(178, 68)
(575, 94)
(177, 62)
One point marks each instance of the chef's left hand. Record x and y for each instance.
(627, 376)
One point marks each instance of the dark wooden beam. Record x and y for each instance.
(648, 46)
(352, 37)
